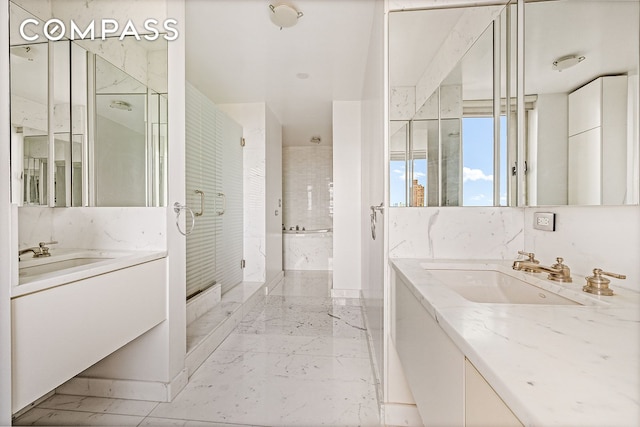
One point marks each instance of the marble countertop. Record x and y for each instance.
(110, 260)
(553, 365)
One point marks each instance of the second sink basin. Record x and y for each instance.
(490, 286)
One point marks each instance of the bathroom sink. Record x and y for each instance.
(490, 286)
(50, 267)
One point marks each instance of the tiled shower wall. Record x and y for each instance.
(307, 183)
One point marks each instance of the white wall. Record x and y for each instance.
(347, 197)
(7, 246)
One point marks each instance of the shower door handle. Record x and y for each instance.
(224, 204)
(201, 193)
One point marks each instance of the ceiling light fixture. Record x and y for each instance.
(25, 52)
(121, 105)
(567, 62)
(302, 76)
(284, 16)
(315, 140)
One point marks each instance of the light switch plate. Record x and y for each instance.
(544, 221)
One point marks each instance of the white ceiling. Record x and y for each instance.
(235, 54)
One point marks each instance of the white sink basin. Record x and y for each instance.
(60, 262)
(50, 267)
(490, 286)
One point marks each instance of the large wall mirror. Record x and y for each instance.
(88, 120)
(453, 107)
(581, 69)
(452, 70)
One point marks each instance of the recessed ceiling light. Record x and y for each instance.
(302, 76)
(567, 62)
(284, 16)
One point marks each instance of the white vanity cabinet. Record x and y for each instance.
(447, 388)
(59, 332)
(598, 142)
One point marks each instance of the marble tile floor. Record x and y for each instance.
(299, 358)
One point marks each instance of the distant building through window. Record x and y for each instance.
(417, 191)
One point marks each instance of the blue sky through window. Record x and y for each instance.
(477, 161)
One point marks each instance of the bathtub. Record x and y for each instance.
(308, 249)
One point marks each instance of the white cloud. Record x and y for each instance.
(469, 174)
(479, 198)
(401, 174)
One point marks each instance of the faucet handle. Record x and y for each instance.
(531, 257)
(599, 285)
(559, 263)
(563, 273)
(44, 249)
(598, 271)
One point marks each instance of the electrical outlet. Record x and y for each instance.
(544, 221)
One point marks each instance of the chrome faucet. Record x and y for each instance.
(557, 272)
(38, 251)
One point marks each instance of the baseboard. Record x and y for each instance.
(32, 405)
(268, 287)
(125, 389)
(345, 293)
(397, 414)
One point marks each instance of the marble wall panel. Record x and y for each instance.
(588, 237)
(455, 233)
(307, 187)
(308, 251)
(94, 228)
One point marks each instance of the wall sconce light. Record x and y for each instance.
(567, 62)
(284, 16)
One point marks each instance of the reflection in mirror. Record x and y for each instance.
(30, 119)
(129, 143)
(582, 139)
(119, 147)
(85, 132)
(79, 120)
(60, 95)
(448, 137)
